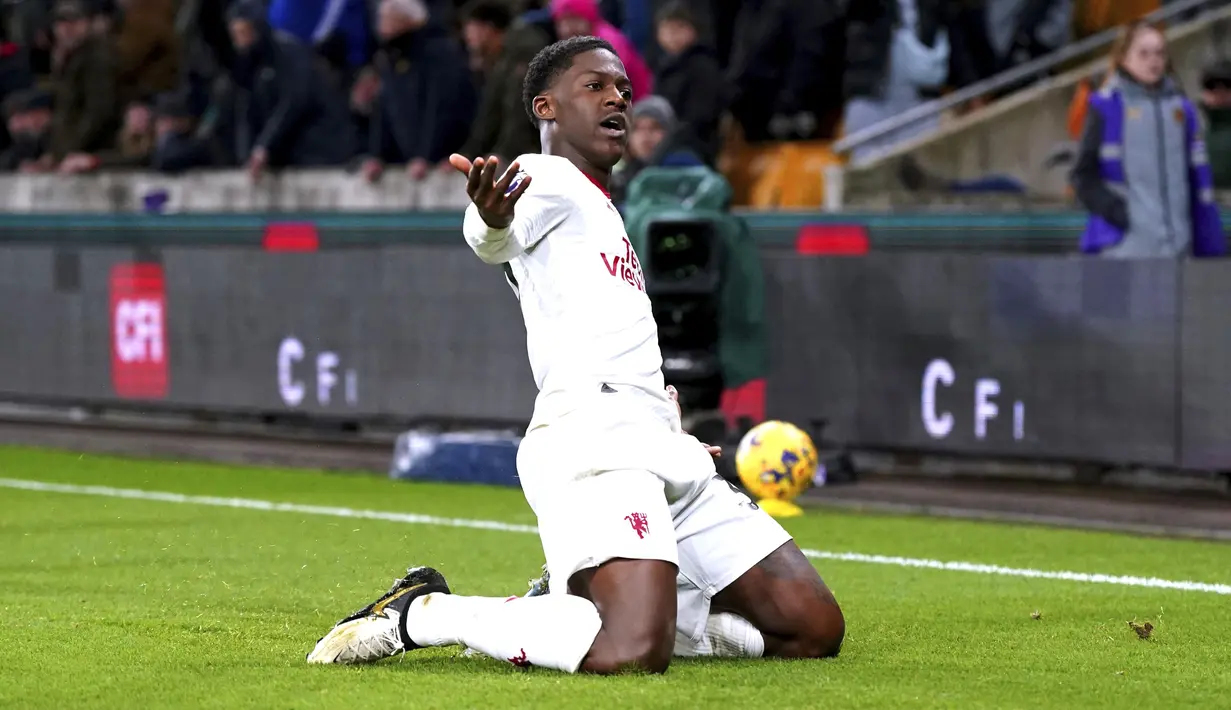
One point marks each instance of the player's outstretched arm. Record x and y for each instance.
(499, 223)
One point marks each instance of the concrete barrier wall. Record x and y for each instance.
(227, 191)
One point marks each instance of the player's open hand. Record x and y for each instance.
(492, 192)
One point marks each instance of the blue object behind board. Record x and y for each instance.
(486, 457)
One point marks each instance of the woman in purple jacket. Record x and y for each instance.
(1142, 170)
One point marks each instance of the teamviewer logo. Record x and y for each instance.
(138, 331)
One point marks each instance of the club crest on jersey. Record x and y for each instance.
(626, 267)
(518, 179)
(640, 524)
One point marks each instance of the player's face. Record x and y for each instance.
(591, 107)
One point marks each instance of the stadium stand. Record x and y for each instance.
(759, 89)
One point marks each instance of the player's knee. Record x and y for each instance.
(823, 631)
(646, 651)
(651, 653)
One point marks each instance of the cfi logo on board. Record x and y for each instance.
(139, 358)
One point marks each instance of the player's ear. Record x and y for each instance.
(544, 108)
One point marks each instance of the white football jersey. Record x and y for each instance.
(590, 331)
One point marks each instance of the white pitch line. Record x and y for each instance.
(415, 519)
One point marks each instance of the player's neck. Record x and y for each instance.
(599, 176)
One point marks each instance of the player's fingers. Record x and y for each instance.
(715, 451)
(502, 185)
(489, 174)
(474, 179)
(673, 393)
(485, 197)
(460, 163)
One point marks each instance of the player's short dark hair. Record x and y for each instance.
(677, 11)
(552, 61)
(496, 13)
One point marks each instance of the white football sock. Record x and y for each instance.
(550, 631)
(726, 636)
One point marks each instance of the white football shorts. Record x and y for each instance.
(605, 487)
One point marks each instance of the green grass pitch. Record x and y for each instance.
(114, 603)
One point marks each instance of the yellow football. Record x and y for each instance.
(776, 461)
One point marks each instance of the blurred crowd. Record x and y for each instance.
(180, 84)
(371, 84)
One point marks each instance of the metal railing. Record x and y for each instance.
(1012, 76)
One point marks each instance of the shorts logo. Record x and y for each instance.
(139, 361)
(520, 660)
(640, 523)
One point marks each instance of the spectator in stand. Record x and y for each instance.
(782, 76)
(87, 107)
(15, 74)
(537, 15)
(340, 29)
(484, 25)
(28, 115)
(103, 16)
(690, 79)
(636, 21)
(1022, 30)
(177, 148)
(28, 26)
(897, 56)
(1216, 103)
(148, 47)
(581, 17)
(364, 92)
(206, 54)
(134, 145)
(427, 98)
(288, 112)
(1019, 31)
(501, 127)
(1142, 170)
(653, 142)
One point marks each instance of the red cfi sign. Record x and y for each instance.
(139, 360)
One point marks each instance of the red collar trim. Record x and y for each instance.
(595, 183)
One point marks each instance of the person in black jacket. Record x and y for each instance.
(501, 127)
(427, 99)
(484, 26)
(785, 70)
(689, 77)
(179, 146)
(288, 110)
(28, 117)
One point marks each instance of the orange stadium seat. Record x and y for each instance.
(766, 178)
(794, 177)
(1094, 16)
(743, 164)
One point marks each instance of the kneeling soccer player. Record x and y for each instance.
(643, 540)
